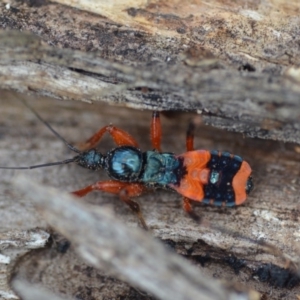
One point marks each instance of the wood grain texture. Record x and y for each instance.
(235, 63)
(127, 253)
(238, 66)
(271, 213)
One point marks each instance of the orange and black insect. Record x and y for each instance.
(212, 177)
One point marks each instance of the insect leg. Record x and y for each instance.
(132, 191)
(123, 189)
(190, 137)
(155, 131)
(120, 137)
(188, 209)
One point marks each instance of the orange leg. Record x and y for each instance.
(155, 131)
(188, 209)
(121, 138)
(123, 189)
(190, 137)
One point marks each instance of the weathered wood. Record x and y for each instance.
(15, 243)
(128, 253)
(34, 292)
(238, 68)
(236, 63)
(271, 213)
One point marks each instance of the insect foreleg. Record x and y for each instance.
(125, 191)
(120, 137)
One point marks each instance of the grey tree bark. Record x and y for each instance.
(236, 64)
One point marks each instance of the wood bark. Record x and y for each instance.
(235, 64)
(238, 65)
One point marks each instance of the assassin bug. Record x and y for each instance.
(212, 177)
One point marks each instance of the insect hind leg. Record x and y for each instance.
(187, 206)
(190, 137)
(190, 133)
(155, 131)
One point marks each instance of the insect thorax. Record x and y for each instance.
(125, 163)
(152, 168)
(161, 169)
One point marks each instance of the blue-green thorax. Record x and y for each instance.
(160, 168)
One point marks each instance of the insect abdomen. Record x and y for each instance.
(214, 177)
(229, 179)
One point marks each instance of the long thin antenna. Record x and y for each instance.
(67, 161)
(50, 127)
